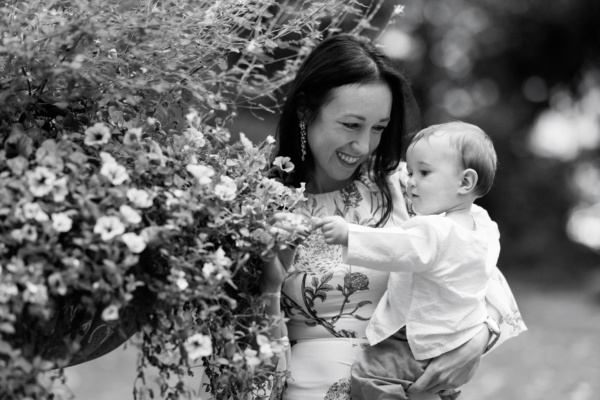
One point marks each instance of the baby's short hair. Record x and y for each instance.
(474, 147)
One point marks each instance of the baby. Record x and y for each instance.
(440, 261)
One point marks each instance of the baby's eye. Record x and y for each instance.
(424, 172)
(410, 174)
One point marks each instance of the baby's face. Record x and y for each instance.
(435, 175)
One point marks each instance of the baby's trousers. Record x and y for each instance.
(386, 370)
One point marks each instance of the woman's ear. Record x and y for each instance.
(468, 181)
(302, 113)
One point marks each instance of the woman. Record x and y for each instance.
(343, 126)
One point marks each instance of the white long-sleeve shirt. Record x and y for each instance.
(438, 281)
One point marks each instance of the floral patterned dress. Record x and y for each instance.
(328, 303)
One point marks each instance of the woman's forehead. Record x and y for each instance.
(371, 100)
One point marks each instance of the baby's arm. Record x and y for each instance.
(335, 229)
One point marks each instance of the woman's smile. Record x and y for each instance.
(347, 160)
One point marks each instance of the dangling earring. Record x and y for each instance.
(303, 139)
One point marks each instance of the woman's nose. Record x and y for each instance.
(361, 143)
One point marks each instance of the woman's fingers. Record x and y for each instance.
(449, 394)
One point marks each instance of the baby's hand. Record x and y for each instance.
(335, 229)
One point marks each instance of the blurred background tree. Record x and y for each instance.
(528, 73)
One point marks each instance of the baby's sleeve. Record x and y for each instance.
(413, 247)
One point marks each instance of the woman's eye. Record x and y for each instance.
(379, 128)
(350, 125)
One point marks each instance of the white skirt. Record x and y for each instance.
(320, 370)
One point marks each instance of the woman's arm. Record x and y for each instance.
(454, 368)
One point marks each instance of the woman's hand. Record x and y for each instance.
(452, 369)
(275, 266)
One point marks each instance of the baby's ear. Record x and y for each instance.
(468, 181)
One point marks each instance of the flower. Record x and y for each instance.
(207, 269)
(34, 211)
(198, 345)
(226, 189)
(356, 281)
(33, 293)
(61, 222)
(246, 143)
(110, 313)
(130, 214)
(97, 134)
(132, 136)
(284, 163)
(139, 197)
(41, 181)
(251, 359)
(265, 350)
(109, 227)
(27, 232)
(60, 190)
(134, 242)
(195, 137)
(116, 173)
(202, 173)
(220, 259)
(398, 11)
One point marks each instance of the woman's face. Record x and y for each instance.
(345, 131)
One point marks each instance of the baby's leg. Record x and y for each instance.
(386, 370)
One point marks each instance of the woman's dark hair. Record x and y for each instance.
(338, 61)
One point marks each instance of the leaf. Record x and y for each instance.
(361, 318)
(311, 323)
(363, 303)
(315, 281)
(321, 295)
(327, 277)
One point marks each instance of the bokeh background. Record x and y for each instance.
(528, 73)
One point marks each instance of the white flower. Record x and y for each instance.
(8, 290)
(41, 181)
(97, 134)
(197, 346)
(135, 243)
(284, 163)
(226, 189)
(109, 227)
(110, 313)
(220, 259)
(130, 214)
(35, 293)
(139, 197)
(61, 222)
(34, 211)
(202, 173)
(195, 137)
(208, 269)
(116, 173)
(251, 359)
(132, 136)
(246, 143)
(56, 282)
(60, 190)
(265, 350)
(27, 232)
(398, 10)
(270, 139)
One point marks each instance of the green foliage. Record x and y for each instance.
(121, 193)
